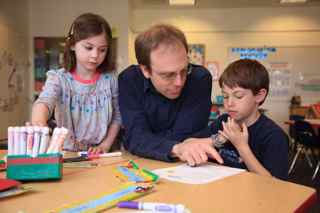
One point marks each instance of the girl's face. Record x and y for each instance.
(90, 52)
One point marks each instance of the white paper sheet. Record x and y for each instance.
(197, 175)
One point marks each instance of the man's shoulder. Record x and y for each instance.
(131, 72)
(200, 72)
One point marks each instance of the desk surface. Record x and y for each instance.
(245, 192)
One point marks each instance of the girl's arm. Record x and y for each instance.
(46, 102)
(107, 142)
(40, 114)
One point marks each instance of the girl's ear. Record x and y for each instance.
(261, 95)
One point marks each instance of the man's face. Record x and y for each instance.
(169, 69)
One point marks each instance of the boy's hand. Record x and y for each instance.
(236, 135)
(195, 151)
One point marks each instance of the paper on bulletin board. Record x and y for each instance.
(196, 53)
(280, 80)
(213, 67)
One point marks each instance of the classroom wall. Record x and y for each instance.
(14, 64)
(220, 29)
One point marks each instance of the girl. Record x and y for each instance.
(83, 94)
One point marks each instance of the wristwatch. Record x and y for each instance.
(218, 140)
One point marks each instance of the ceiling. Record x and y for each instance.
(157, 4)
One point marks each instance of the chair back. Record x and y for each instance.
(304, 133)
(293, 117)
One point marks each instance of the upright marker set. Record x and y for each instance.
(32, 155)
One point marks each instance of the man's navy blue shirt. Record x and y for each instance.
(153, 123)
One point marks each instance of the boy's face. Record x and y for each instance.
(241, 104)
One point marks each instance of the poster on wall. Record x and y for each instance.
(213, 67)
(280, 80)
(256, 53)
(307, 83)
(196, 53)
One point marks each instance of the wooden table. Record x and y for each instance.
(245, 192)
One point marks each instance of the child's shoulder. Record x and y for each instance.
(267, 125)
(109, 76)
(58, 72)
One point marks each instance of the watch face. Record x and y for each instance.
(218, 140)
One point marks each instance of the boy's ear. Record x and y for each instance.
(261, 95)
(145, 71)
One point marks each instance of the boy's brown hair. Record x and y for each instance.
(83, 27)
(247, 74)
(153, 37)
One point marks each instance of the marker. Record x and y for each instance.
(44, 140)
(157, 207)
(29, 140)
(36, 141)
(10, 141)
(54, 139)
(16, 140)
(104, 155)
(58, 146)
(23, 140)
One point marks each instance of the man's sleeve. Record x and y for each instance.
(139, 137)
(213, 128)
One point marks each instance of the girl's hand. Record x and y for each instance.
(237, 135)
(102, 148)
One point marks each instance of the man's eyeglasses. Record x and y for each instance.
(173, 75)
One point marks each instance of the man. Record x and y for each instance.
(164, 99)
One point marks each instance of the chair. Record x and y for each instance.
(306, 140)
(293, 117)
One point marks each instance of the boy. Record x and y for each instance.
(244, 137)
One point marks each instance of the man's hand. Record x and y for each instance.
(195, 151)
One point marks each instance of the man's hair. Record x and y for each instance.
(150, 40)
(83, 27)
(246, 73)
